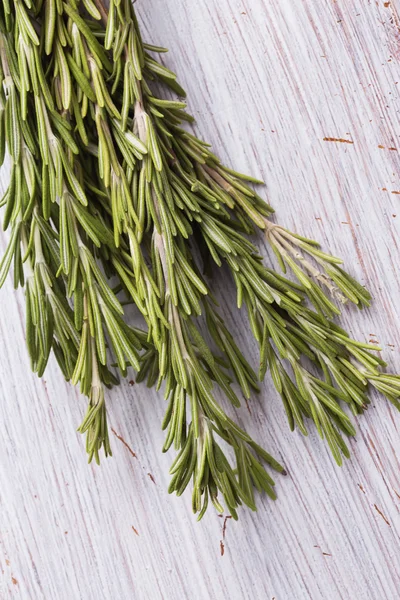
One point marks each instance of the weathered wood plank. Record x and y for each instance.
(269, 82)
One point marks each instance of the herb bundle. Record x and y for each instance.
(106, 184)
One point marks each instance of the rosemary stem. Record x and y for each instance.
(102, 10)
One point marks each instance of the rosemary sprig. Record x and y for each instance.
(106, 182)
(48, 245)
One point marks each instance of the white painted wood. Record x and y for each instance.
(268, 81)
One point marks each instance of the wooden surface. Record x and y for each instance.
(271, 83)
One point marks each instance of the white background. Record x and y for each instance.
(267, 81)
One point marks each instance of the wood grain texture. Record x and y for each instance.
(278, 88)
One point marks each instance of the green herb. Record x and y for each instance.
(106, 182)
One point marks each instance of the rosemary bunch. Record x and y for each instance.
(107, 183)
